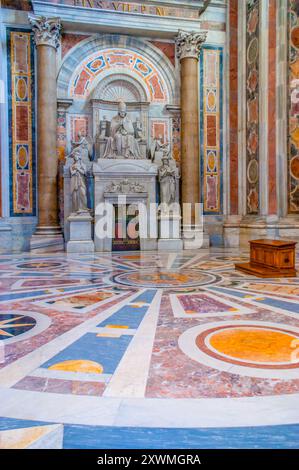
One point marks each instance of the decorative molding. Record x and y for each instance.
(189, 44)
(46, 30)
(125, 187)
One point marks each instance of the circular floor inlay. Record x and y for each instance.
(251, 348)
(13, 325)
(39, 265)
(18, 327)
(165, 278)
(254, 344)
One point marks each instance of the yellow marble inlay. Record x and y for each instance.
(254, 344)
(117, 326)
(79, 365)
(24, 438)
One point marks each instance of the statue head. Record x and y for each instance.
(122, 109)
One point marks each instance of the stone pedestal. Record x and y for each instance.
(170, 233)
(6, 237)
(194, 237)
(80, 234)
(124, 181)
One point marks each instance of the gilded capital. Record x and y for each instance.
(46, 30)
(189, 44)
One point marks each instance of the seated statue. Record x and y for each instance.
(122, 142)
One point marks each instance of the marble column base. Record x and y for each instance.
(170, 233)
(5, 238)
(170, 244)
(194, 238)
(47, 240)
(80, 234)
(231, 232)
(238, 233)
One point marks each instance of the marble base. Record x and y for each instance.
(170, 233)
(231, 232)
(47, 240)
(6, 238)
(148, 244)
(195, 238)
(108, 171)
(80, 234)
(80, 247)
(170, 244)
(169, 226)
(239, 233)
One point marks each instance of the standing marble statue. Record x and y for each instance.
(122, 142)
(84, 146)
(78, 184)
(167, 179)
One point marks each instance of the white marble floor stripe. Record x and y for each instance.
(65, 375)
(140, 412)
(130, 377)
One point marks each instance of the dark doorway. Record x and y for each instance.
(125, 230)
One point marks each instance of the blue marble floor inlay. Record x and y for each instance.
(147, 296)
(105, 351)
(290, 306)
(107, 437)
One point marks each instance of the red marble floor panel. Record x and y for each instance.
(61, 323)
(71, 387)
(174, 374)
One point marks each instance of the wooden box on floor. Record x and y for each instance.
(270, 258)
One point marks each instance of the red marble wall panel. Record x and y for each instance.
(21, 123)
(69, 41)
(293, 131)
(24, 5)
(156, 88)
(82, 82)
(167, 48)
(252, 98)
(272, 209)
(211, 131)
(233, 105)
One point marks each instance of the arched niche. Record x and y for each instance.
(80, 60)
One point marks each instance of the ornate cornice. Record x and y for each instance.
(46, 30)
(189, 44)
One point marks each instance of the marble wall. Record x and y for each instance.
(293, 142)
(252, 132)
(233, 200)
(211, 128)
(159, 73)
(21, 87)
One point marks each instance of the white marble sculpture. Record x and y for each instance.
(122, 142)
(167, 179)
(78, 184)
(158, 148)
(84, 147)
(125, 187)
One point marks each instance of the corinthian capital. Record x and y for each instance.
(189, 44)
(46, 30)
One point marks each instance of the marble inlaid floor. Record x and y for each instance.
(149, 350)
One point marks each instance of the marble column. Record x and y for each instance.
(188, 50)
(48, 235)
